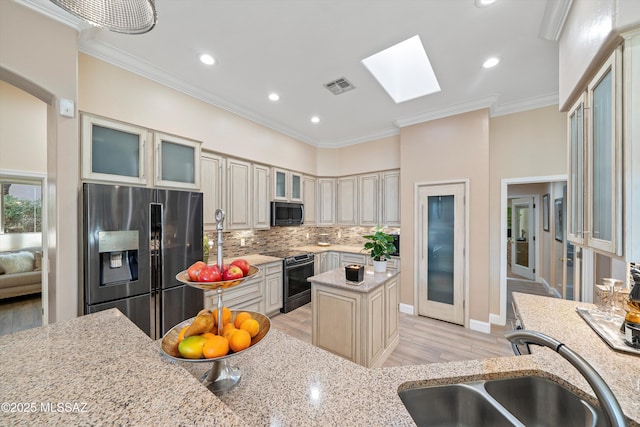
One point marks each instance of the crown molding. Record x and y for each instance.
(121, 59)
(452, 110)
(525, 105)
(555, 15)
(56, 13)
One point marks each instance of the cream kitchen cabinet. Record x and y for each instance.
(177, 162)
(347, 200)
(326, 201)
(369, 203)
(359, 323)
(348, 258)
(595, 162)
(123, 153)
(287, 185)
(393, 264)
(390, 198)
(239, 195)
(212, 185)
(105, 143)
(379, 199)
(261, 213)
(309, 195)
(273, 287)
(250, 295)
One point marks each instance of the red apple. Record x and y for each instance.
(194, 270)
(243, 264)
(210, 273)
(234, 272)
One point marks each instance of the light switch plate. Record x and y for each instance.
(66, 107)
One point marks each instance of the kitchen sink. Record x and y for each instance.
(538, 401)
(521, 401)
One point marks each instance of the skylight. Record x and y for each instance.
(404, 70)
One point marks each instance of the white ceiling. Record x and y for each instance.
(293, 47)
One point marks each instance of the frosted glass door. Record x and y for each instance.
(441, 236)
(296, 187)
(280, 185)
(177, 162)
(605, 171)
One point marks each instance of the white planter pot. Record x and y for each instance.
(379, 266)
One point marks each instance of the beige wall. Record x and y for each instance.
(522, 145)
(39, 55)
(23, 131)
(451, 148)
(379, 154)
(137, 100)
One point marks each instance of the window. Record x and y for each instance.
(21, 207)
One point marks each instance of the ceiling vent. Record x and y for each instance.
(339, 86)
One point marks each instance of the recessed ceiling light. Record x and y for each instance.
(207, 59)
(484, 3)
(491, 62)
(404, 70)
(315, 119)
(274, 96)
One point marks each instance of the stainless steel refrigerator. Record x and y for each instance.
(135, 242)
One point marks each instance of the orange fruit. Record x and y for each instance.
(252, 326)
(226, 316)
(239, 340)
(241, 317)
(215, 347)
(182, 331)
(228, 332)
(208, 335)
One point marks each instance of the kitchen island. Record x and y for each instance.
(117, 375)
(356, 320)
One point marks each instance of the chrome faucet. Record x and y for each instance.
(605, 396)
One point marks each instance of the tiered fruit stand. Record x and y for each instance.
(222, 376)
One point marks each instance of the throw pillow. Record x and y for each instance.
(18, 262)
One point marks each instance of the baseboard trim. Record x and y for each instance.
(405, 308)
(496, 319)
(477, 325)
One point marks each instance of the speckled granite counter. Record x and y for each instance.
(99, 369)
(103, 360)
(335, 248)
(336, 279)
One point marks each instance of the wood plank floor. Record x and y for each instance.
(20, 313)
(422, 340)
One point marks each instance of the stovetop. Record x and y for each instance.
(287, 254)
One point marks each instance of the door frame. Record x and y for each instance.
(416, 242)
(41, 178)
(501, 318)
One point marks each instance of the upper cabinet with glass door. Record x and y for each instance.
(113, 151)
(595, 162)
(287, 185)
(177, 162)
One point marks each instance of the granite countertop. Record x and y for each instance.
(336, 279)
(102, 361)
(332, 248)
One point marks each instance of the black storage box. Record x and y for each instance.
(354, 272)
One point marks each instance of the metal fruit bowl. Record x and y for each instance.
(169, 343)
(183, 277)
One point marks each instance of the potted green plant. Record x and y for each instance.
(380, 246)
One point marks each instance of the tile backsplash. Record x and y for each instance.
(278, 238)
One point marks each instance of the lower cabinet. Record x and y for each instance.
(361, 327)
(347, 259)
(262, 293)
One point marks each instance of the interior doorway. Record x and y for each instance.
(547, 255)
(441, 219)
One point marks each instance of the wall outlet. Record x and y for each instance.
(339, 235)
(243, 242)
(307, 236)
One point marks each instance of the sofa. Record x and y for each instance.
(20, 272)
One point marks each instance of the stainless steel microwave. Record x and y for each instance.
(283, 213)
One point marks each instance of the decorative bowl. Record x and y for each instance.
(183, 277)
(169, 342)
